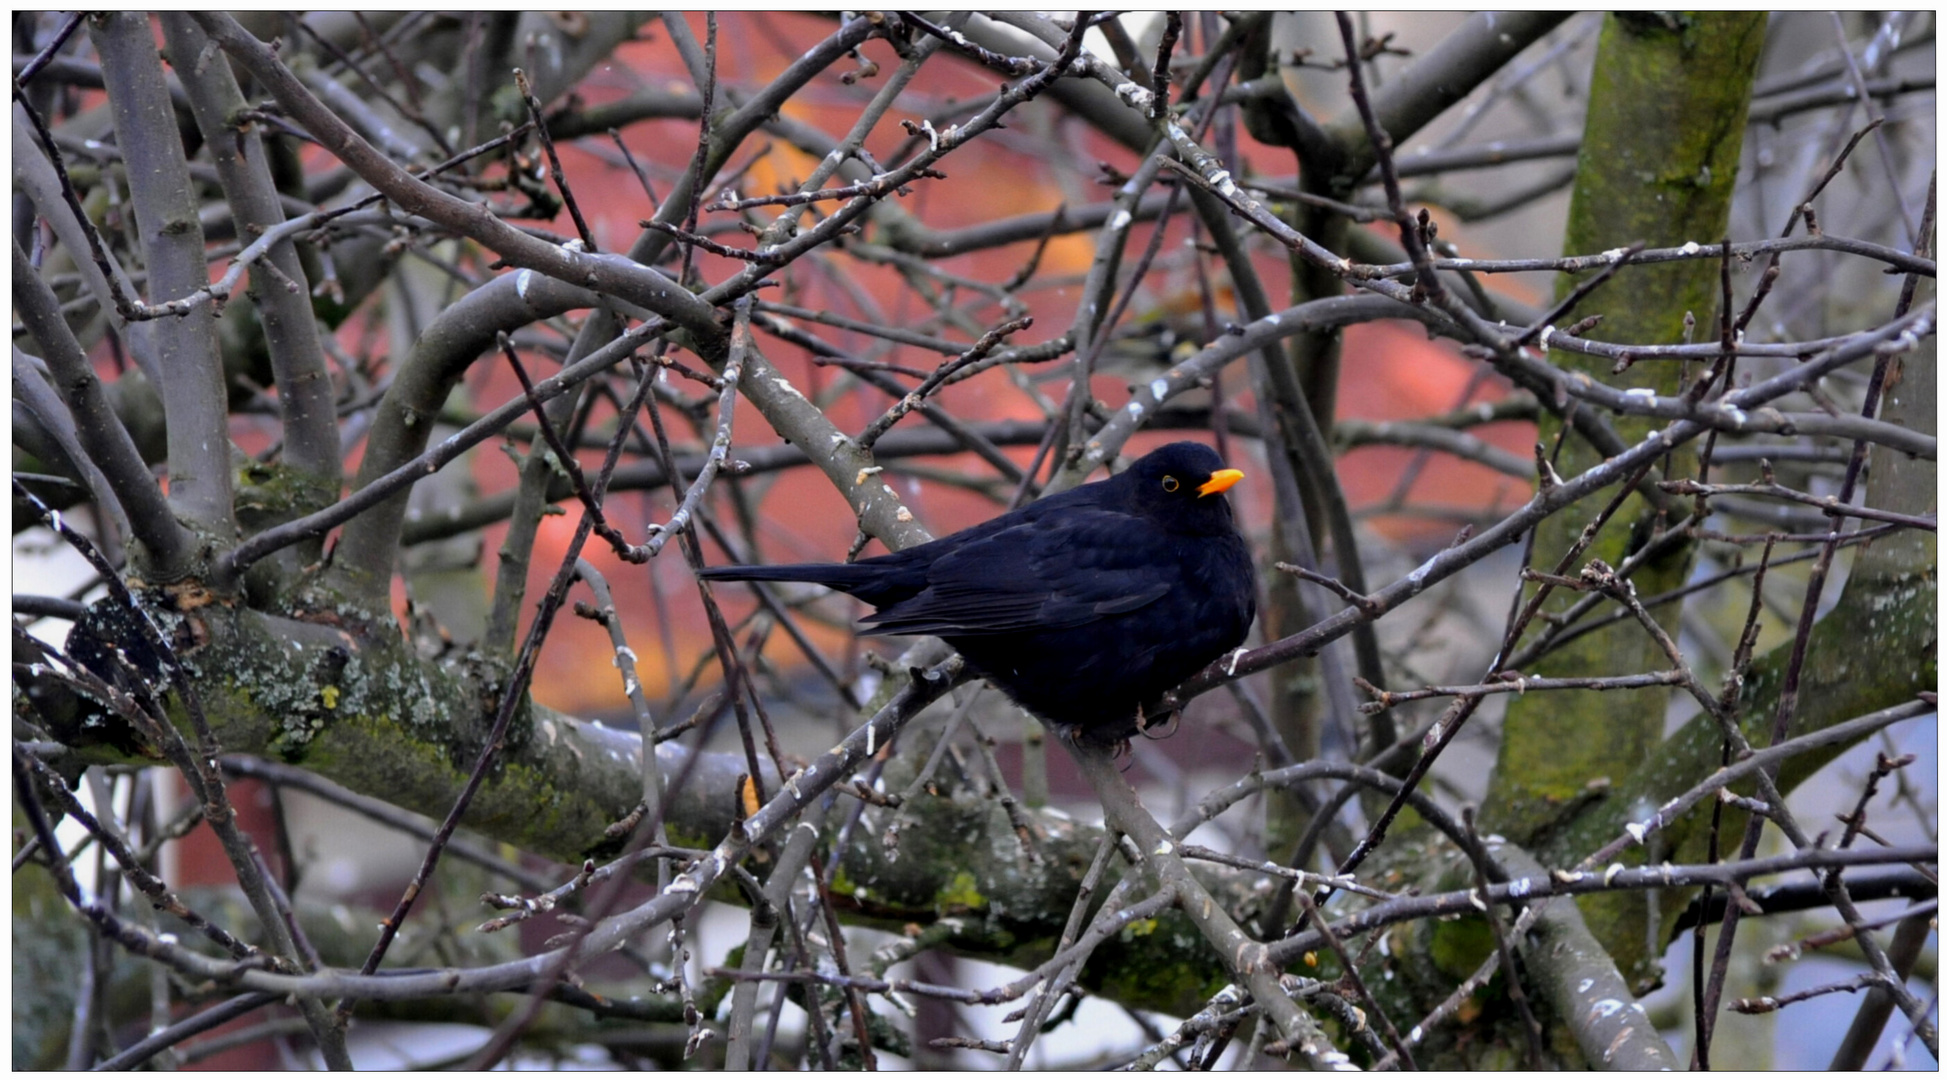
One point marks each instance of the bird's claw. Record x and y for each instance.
(1165, 726)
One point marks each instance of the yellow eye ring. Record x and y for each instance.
(1170, 484)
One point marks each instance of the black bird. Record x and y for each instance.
(1085, 606)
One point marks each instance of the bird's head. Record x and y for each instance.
(1182, 486)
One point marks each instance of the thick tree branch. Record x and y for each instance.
(192, 387)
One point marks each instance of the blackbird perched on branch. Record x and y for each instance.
(1085, 606)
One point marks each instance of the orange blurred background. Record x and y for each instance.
(1390, 371)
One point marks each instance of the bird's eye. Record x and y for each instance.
(1170, 484)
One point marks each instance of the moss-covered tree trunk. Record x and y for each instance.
(1876, 648)
(1659, 158)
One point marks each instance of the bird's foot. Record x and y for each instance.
(1078, 736)
(1164, 724)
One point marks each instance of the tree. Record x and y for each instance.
(877, 291)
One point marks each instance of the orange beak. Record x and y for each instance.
(1220, 481)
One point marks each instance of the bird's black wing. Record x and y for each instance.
(1060, 571)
